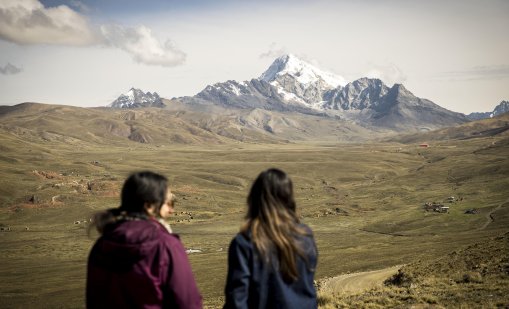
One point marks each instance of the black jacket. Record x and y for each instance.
(251, 283)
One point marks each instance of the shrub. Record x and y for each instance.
(400, 279)
(470, 277)
(323, 299)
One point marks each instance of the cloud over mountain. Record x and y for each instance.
(274, 51)
(28, 22)
(142, 45)
(486, 72)
(390, 73)
(10, 69)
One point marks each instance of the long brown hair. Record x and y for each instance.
(273, 223)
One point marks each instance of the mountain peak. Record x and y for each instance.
(401, 89)
(301, 70)
(137, 98)
(501, 108)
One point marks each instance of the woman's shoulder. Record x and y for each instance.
(241, 246)
(305, 228)
(160, 233)
(242, 239)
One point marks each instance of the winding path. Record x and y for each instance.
(356, 282)
(489, 216)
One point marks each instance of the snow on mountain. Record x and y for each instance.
(302, 71)
(299, 82)
(231, 87)
(249, 94)
(288, 83)
(136, 98)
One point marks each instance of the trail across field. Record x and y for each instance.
(489, 216)
(356, 282)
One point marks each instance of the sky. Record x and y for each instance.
(88, 52)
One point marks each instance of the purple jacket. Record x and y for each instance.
(138, 264)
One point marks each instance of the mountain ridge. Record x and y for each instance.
(292, 85)
(501, 108)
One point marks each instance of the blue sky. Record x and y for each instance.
(86, 53)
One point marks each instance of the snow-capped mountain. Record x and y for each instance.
(501, 108)
(288, 84)
(135, 98)
(291, 84)
(302, 71)
(300, 81)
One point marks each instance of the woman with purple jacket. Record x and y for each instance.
(137, 262)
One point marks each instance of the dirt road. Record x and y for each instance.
(356, 282)
(489, 216)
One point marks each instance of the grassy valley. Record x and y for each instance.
(364, 201)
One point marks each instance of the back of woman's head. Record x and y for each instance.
(272, 191)
(273, 223)
(143, 188)
(140, 190)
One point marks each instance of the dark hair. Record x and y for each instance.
(273, 222)
(142, 188)
(139, 189)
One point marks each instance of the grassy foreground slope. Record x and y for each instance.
(476, 276)
(363, 201)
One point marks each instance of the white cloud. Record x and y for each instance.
(29, 22)
(142, 45)
(9, 69)
(274, 51)
(389, 74)
(487, 72)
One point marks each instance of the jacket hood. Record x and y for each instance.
(125, 243)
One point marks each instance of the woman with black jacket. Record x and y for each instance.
(272, 261)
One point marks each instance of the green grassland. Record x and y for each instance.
(363, 201)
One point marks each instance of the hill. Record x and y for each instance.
(476, 276)
(491, 127)
(177, 123)
(113, 126)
